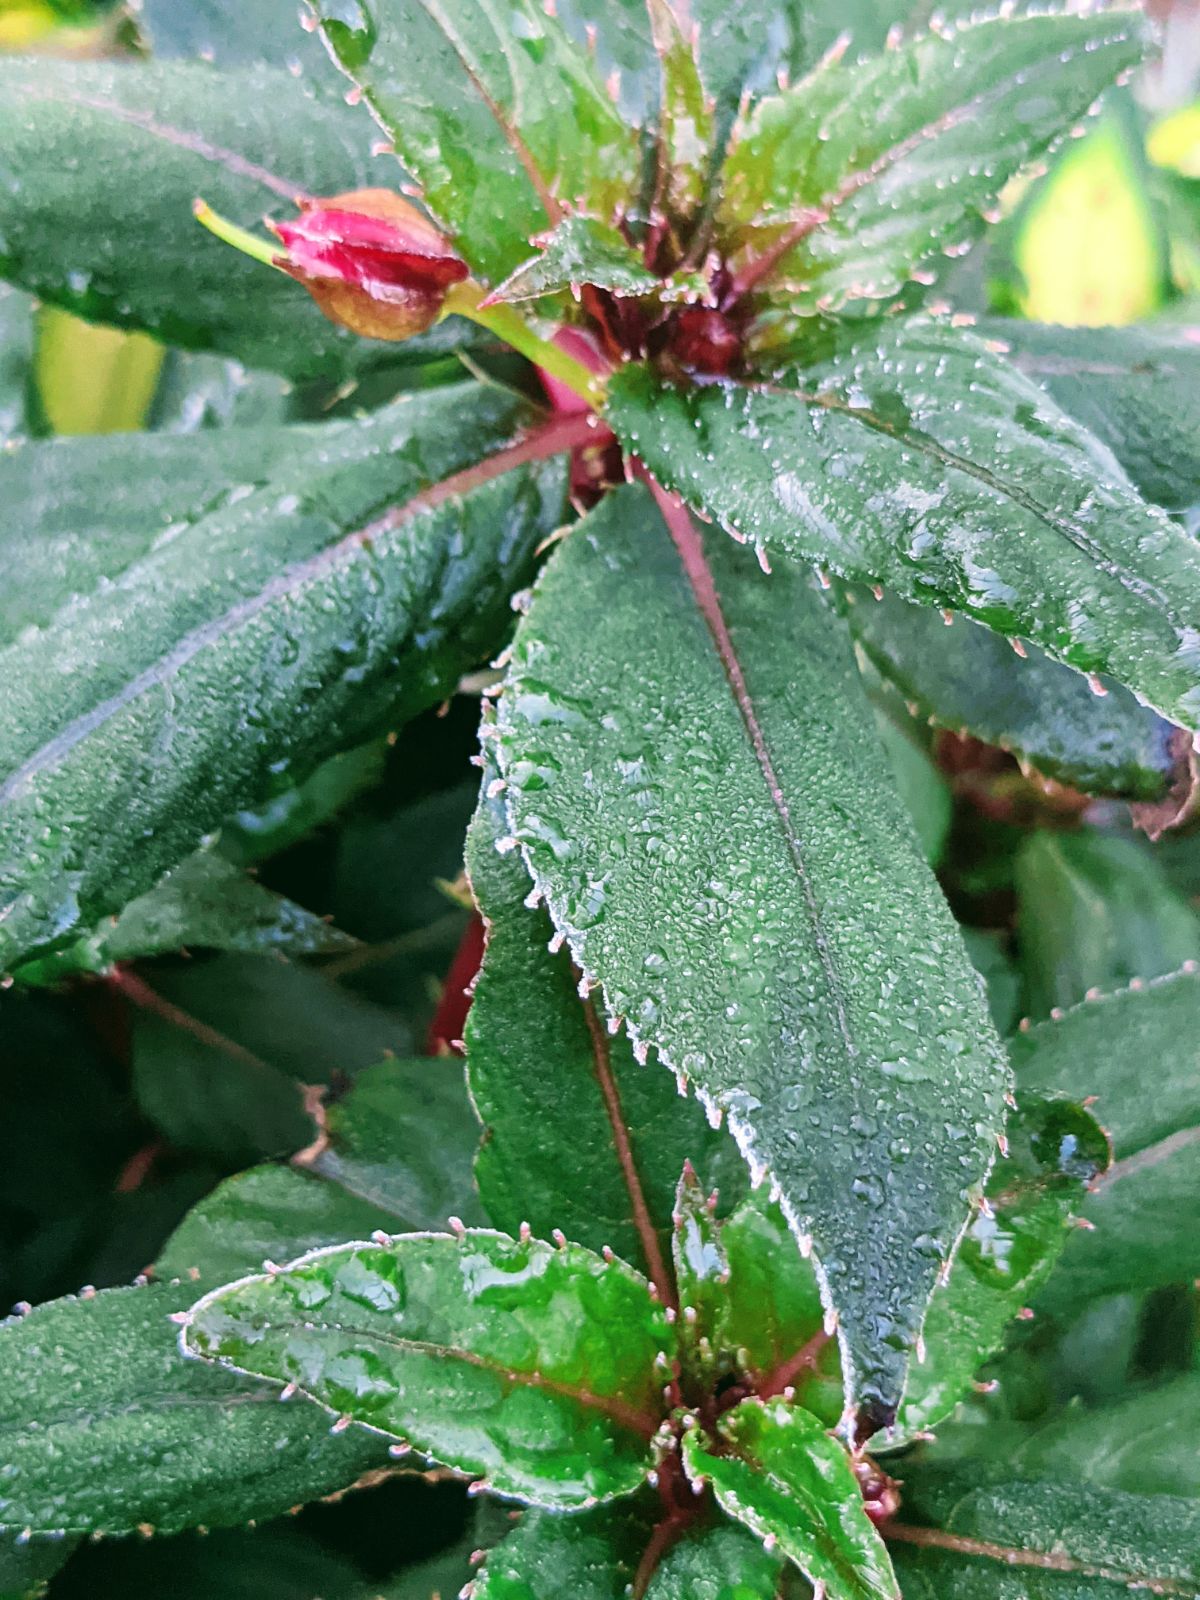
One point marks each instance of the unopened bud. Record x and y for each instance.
(371, 261)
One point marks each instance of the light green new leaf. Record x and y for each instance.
(104, 1427)
(580, 250)
(1135, 1050)
(779, 941)
(1137, 389)
(789, 1481)
(495, 113)
(1043, 1538)
(577, 1134)
(397, 1155)
(915, 458)
(969, 679)
(539, 1368)
(686, 129)
(277, 626)
(588, 1556)
(75, 230)
(1055, 1150)
(864, 169)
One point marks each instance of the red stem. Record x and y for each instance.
(141, 994)
(786, 1373)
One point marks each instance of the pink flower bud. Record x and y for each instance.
(371, 261)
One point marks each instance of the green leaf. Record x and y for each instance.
(236, 33)
(539, 1367)
(92, 379)
(26, 1569)
(1042, 1539)
(16, 356)
(914, 458)
(140, 715)
(1143, 1235)
(1094, 911)
(701, 1272)
(736, 922)
(397, 1155)
(769, 1325)
(781, 1474)
(593, 1556)
(493, 110)
(106, 1429)
(686, 130)
(922, 787)
(77, 233)
(838, 189)
(580, 250)
(1055, 1150)
(577, 1135)
(1136, 389)
(1144, 1442)
(968, 679)
(204, 903)
(223, 1051)
(723, 1562)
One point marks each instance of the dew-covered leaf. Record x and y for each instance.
(537, 1367)
(589, 1556)
(721, 1562)
(236, 33)
(1135, 1051)
(205, 903)
(781, 944)
(396, 1155)
(77, 233)
(1137, 389)
(1094, 912)
(789, 1481)
(1056, 1150)
(1041, 1538)
(838, 189)
(686, 129)
(105, 1428)
(968, 679)
(294, 617)
(915, 458)
(495, 112)
(577, 1134)
(580, 250)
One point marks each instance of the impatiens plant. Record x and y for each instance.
(656, 428)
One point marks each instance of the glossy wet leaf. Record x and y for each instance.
(1098, 1543)
(789, 1481)
(1133, 1049)
(204, 903)
(969, 679)
(770, 1323)
(721, 1562)
(236, 33)
(580, 250)
(397, 1155)
(225, 664)
(78, 234)
(494, 111)
(685, 130)
(592, 1556)
(701, 1274)
(125, 1432)
(783, 946)
(865, 168)
(1094, 911)
(1056, 1151)
(914, 457)
(1137, 389)
(577, 1134)
(533, 1366)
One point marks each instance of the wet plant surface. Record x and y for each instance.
(758, 1162)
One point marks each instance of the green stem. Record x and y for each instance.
(250, 244)
(464, 300)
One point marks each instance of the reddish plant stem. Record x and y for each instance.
(142, 995)
(1011, 1556)
(660, 1277)
(786, 1373)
